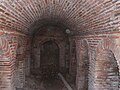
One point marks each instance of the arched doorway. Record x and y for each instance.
(49, 59)
(6, 75)
(106, 71)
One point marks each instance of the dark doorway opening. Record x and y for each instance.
(49, 60)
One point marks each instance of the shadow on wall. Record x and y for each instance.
(106, 71)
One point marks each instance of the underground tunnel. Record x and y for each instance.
(59, 44)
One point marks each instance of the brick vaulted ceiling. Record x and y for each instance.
(80, 16)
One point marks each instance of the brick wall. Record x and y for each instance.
(9, 58)
(21, 63)
(97, 43)
(95, 21)
(82, 65)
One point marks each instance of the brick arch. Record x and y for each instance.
(106, 71)
(49, 39)
(110, 44)
(5, 58)
(117, 55)
(60, 46)
(106, 66)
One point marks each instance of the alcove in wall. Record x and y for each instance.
(106, 71)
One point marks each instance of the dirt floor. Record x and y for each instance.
(33, 83)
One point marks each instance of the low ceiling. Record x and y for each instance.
(80, 16)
